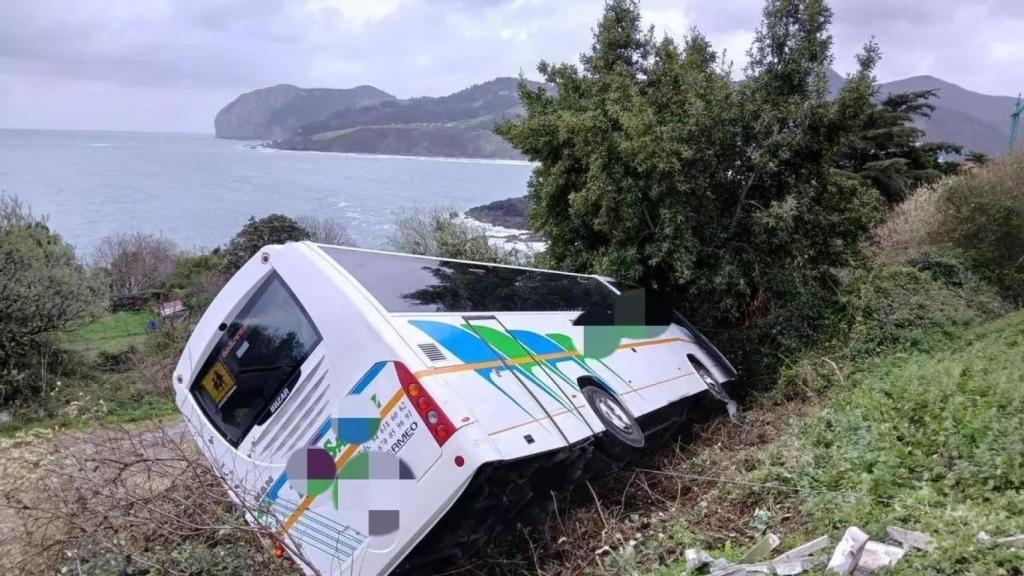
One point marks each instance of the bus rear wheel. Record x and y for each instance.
(617, 419)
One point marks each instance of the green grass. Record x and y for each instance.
(151, 406)
(931, 441)
(928, 439)
(111, 333)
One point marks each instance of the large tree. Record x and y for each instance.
(888, 152)
(654, 168)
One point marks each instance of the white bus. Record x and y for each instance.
(365, 407)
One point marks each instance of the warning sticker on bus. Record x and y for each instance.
(218, 382)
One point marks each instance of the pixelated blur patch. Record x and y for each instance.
(356, 430)
(372, 482)
(311, 471)
(357, 415)
(636, 314)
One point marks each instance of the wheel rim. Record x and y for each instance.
(616, 418)
(711, 383)
(613, 412)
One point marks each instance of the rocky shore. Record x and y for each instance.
(511, 213)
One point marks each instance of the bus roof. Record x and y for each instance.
(404, 283)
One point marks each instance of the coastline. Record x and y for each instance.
(265, 147)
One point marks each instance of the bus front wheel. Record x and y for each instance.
(617, 419)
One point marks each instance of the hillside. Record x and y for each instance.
(974, 120)
(275, 112)
(455, 125)
(366, 119)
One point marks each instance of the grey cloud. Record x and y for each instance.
(192, 55)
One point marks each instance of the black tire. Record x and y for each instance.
(716, 388)
(617, 419)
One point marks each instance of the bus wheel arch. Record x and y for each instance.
(616, 417)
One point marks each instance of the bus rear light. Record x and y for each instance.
(436, 420)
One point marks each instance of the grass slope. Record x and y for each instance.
(929, 440)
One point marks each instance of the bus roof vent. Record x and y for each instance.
(432, 352)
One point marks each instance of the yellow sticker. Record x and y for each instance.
(218, 382)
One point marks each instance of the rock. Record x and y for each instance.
(762, 549)
(792, 566)
(511, 213)
(983, 537)
(876, 556)
(909, 539)
(805, 550)
(1012, 542)
(696, 559)
(847, 553)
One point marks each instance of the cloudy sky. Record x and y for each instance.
(169, 65)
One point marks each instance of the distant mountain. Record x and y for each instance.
(973, 120)
(459, 124)
(365, 119)
(275, 112)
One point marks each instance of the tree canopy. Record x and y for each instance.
(654, 167)
(272, 229)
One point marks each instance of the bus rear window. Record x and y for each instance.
(256, 358)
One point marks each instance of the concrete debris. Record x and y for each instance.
(696, 559)
(909, 539)
(782, 568)
(855, 554)
(720, 564)
(762, 549)
(877, 556)
(805, 550)
(1012, 542)
(847, 553)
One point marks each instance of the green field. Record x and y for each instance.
(111, 333)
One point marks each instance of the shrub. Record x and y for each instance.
(910, 227)
(136, 263)
(442, 233)
(43, 289)
(903, 306)
(983, 217)
(197, 278)
(272, 229)
(325, 230)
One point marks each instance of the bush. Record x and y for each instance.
(197, 278)
(977, 216)
(910, 228)
(893, 306)
(43, 289)
(442, 233)
(325, 230)
(272, 229)
(983, 217)
(136, 263)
